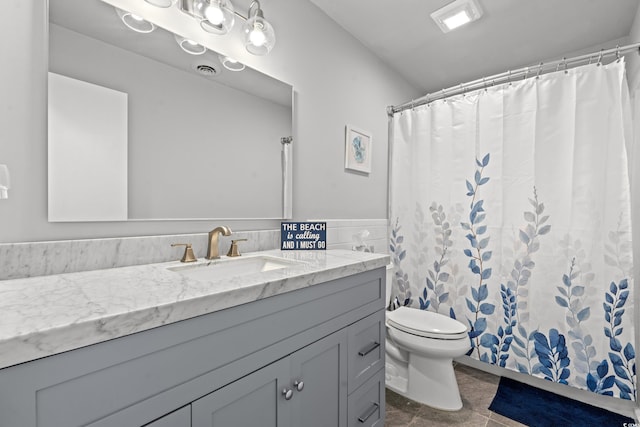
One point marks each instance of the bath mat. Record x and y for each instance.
(539, 408)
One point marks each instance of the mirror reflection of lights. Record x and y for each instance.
(135, 22)
(189, 46)
(161, 3)
(218, 17)
(231, 64)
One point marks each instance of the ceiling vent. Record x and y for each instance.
(206, 69)
(456, 14)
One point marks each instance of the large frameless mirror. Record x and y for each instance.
(201, 140)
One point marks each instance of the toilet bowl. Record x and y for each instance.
(420, 348)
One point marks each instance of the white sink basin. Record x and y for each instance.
(232, 267)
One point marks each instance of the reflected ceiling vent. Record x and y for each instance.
(206, 69)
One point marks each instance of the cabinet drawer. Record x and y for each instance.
(366, 349)
(366, 405)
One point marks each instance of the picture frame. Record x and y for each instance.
(358, 149)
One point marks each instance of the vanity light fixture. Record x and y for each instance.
(456, 14)
(259, 37)
(189, 46)
(4, 182)
(218, 17)
(135, 22)
(230, 63)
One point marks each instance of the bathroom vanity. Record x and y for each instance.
(298, 344)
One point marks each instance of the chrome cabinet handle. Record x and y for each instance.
(364, 417)
(287, 393)
(299, 385)
(369, 349)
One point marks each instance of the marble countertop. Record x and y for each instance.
(42, 316)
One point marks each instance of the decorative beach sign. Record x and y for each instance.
(303, 236)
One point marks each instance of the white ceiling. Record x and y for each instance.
(511, 34)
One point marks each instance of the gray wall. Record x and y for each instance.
(337, 82)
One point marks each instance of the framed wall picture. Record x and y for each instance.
(357, 149)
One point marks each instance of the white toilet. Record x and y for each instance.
(420, 348)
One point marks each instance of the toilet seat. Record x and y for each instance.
(426, 324)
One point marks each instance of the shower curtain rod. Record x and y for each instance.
(512, 75)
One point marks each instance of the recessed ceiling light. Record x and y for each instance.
(456, 14)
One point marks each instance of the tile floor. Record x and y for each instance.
(477, 389)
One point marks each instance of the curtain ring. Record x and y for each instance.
(617, 53)
(564, 60)
(526, 73)
(509, 78)
(484, 84)
(600, 57)
(539, 70)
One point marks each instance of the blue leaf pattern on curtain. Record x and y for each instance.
(527, 281)
(479, 256)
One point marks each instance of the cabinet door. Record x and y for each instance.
(179, 418)
(255, 400)
(319, 383)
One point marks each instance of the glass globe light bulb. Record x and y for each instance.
(214, 14)
(259, 37)
(256, 36)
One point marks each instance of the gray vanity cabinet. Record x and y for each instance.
(321, 370)
(228, 368)
(179, 418)
(307, 388)
(254, 400)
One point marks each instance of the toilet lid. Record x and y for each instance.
(426, 324)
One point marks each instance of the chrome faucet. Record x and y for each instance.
(213, 251)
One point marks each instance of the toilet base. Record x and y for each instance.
(432, 382)
(437, 389)
(395, 377)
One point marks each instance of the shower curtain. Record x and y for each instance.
(510, 211)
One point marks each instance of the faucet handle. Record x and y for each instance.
(188, 252)
(233, 250)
